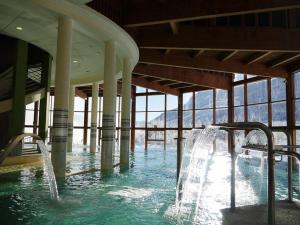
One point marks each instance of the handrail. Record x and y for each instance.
(271, 178)
(13, 144)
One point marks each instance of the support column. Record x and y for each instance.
(85, 120)
(62, 83)
(44, 102)
(93, 132)
(70, 118)
(125, 116)
(17, 121)
(133, 111)
(109, 107)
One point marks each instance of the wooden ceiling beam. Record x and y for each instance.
(174, 27)
(143, 13)
(183, 60)
(222, 39)
(192, 89)
(183, 75)
(286, 58)
(228, 55)
(198, 52)
(255, 57)
(142, 82)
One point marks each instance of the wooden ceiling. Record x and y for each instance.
(198, 44)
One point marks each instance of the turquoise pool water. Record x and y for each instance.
(145, 194)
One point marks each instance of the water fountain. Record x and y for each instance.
(47, 161)
(49, 170)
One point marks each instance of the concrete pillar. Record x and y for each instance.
(70, 118)
(62, 83)
(109, 107)
(125, 116)
(93, 133)
(44, 102)
(17, 116)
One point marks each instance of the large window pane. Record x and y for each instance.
(78, 119)
(221, 98)
(221, 115)
(78, 104)
(140, 89)
(278, 89)
(187, 119)
(204, 99)
(172, 120)
(239, 114)
(297, 112)
(258, 113)
(297, 84)
(156, 119)
(257, 92)
(188, 100)
(239, 95)
(238, 76)
(172, 102)
(279, 114)
(203, 117)
(140, 137)
(156, 103)
(140, 118)
(141, 103)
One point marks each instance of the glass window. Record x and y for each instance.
(239, 114)
(239, 95)
(140, 118)
(78, 104)
(203, 117)
(204, 99)
(297, 112)
(141, 103)
(297, 84)
(221, 115)
(258, 113)
(140, 89)
(278, 89)
(279, 114)
(257, 92)
(156, 119)
(172, 102)
(187, 100)
(78, 119)
(221, 98)
(156, 103)
(140, 137)
(187, 119)
(172, 119)
(238, 76)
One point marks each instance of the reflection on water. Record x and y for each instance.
(142, 195)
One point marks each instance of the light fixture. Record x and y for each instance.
(19, 28)
(75, 61)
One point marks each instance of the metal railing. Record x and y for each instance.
(271, 160)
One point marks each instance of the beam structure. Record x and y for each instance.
(143, 82)
(183, 60)
(256, 57)
(283, 59)
(222, 38)
(168, 11)
(191, 76)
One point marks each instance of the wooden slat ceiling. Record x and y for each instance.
(199, 44)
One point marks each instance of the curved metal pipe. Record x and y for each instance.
(12, 145)
(271, 178)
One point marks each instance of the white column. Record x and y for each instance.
(109, 107)
(62, 83)
(70, 118)
(93, 133)
(125, 119)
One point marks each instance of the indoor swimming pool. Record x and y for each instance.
(145, 194)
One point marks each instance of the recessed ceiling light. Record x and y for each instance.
(75, 61)
(19, 28)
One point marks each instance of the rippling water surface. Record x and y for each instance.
(145, 194)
